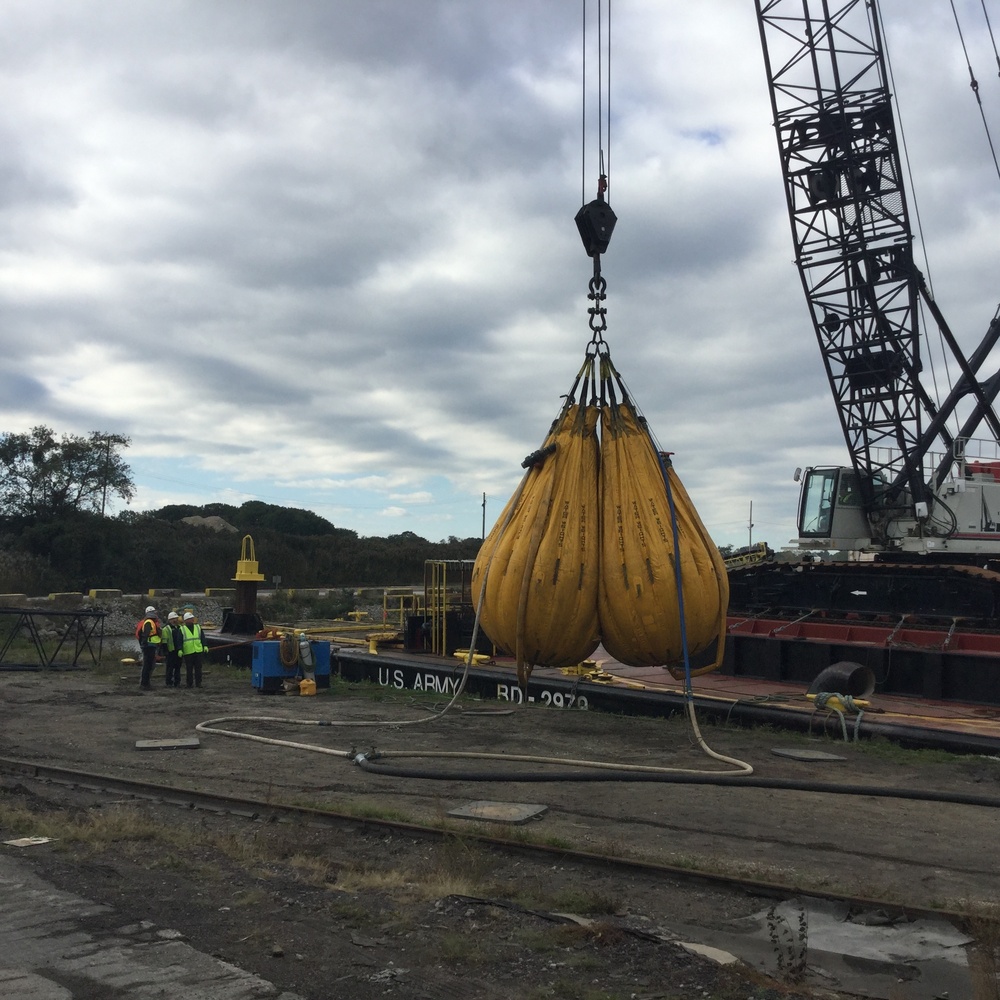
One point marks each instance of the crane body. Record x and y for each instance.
(912, 487)
(907, 533)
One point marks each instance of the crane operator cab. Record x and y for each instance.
(831, 514)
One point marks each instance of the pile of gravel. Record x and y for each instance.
(123, 614)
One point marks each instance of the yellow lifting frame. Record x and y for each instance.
(247, 567)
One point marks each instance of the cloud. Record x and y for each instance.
(323, 253)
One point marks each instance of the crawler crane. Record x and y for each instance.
(905, 540)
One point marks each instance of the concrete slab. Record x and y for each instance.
(499, 812)
(47, 947)
(180, 743)
(28, 986)
(811, 756)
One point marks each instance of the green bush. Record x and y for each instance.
(286, 606)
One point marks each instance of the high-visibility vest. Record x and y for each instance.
(172, 638)
(154, 637)
(192, 639)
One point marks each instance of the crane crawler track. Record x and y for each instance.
(933, 592)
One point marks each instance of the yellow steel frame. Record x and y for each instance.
(398, 602)
(447, 586)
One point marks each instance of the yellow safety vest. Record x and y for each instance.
(171, 635)
(192, 639)
(154, 637)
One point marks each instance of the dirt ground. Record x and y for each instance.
(377, 913)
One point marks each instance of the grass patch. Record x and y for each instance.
(182, 863)
(351, 913)
(96, 829)
(559, 843)
(243, 850)
(249, 897)
(580, 902)
(567, 990)
(454, 948)
(880, 748)
(459, 869)
(385, 879)
(311, 869)
(125, 828)
(283, 606)
(110, 666)
(434, 883)
(570, 937)
(537, 939)
(371, 810)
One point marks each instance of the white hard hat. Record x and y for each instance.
(151, 610)
(172, 616)
(188, 617)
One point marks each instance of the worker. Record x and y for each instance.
(192, 648)
(173, 643)
(150, 640)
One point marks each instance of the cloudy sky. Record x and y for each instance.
(321, 252)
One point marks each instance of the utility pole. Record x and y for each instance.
(484, 515)
(750, 527)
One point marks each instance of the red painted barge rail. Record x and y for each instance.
(904, 634)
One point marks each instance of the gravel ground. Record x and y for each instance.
(375, 913)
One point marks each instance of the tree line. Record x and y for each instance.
(56, 537)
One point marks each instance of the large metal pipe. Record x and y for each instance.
(845, 677)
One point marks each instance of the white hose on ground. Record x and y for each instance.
(212, 726)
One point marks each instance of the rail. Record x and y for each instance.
(256, 810)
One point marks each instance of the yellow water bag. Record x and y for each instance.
(539, 564)
(638, 603)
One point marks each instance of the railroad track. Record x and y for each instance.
(257, 810)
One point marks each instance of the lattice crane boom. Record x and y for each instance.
(853, 241)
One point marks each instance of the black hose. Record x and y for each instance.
(785, 784)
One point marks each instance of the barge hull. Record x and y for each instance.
(910, 722)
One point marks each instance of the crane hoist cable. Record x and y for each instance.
(993, 41)
(603, 93)
(942, 349)
(974, 83)
(596, 220)
(918, 234)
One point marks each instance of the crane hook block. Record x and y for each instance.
(596, 222)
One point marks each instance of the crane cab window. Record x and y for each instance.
(849, 489)
(819, 491)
